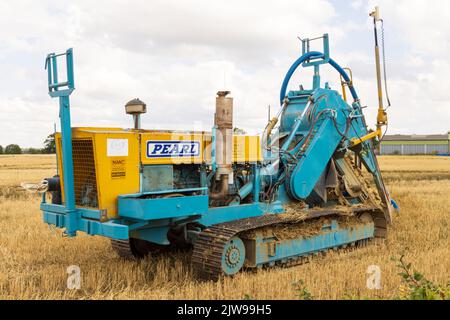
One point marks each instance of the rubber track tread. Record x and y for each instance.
(209, 246)
(123, 249)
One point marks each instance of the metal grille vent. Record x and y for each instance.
(84, 173)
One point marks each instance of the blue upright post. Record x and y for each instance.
(256, 182)
(62, 90)
(316, 77)
(69, 189)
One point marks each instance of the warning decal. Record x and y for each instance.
(118, 168)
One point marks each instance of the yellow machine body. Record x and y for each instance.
(108, 160)
(115, 173)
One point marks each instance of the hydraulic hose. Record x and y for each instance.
(305, 57)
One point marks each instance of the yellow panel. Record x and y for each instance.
(239, 148)
(245, 148)
(117, 172)
(172, 148)
(252, 149)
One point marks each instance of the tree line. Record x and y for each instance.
(49, 147)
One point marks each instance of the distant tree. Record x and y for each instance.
(32, 151)
(13, 149)
(49, 144)
(1, 150)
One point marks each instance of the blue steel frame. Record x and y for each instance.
(63, 90)
(316, 60)
(68, 215)
(147, 217)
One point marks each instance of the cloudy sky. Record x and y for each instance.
(175, 55)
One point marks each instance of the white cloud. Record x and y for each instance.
(175, 55)
(356, 4)
(419, 24)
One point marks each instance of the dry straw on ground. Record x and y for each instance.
(34, 258)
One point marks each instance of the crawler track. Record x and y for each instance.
(134, 249)
(207, 253)
(123, 249)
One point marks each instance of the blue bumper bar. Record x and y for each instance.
(56, 215)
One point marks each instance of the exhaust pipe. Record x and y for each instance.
(223, 120)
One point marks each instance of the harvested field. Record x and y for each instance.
(34, 258)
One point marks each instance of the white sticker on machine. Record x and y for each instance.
(117, 147)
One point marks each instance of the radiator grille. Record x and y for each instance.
(84, 173)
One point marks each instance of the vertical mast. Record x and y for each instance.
(381, 116)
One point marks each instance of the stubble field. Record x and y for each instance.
(34, 258)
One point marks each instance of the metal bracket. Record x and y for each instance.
(55, 88)
(306, 48)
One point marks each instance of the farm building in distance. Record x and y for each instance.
(416, 144)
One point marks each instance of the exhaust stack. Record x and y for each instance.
(223, 120)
